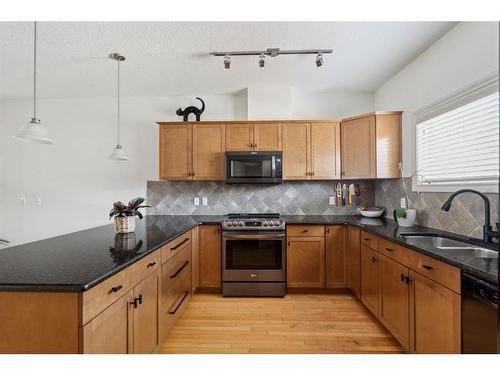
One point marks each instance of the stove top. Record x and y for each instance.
(253, 221)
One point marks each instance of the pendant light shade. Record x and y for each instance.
(34, 130)
(118, 152)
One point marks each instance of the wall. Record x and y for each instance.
(297, 198)
(467, 53)
(73, 177)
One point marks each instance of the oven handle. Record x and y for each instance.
(254, 236)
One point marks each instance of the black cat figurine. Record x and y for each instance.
(191, 109)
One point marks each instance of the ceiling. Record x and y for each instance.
(172, 58)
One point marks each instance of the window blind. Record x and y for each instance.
(460, 146)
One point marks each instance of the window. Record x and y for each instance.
(457, 143)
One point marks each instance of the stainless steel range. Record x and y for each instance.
(253, 255)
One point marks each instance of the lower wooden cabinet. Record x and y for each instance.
(209, 237)
(395, 299)
(195, 260)
(145, 315)
(306, 262)
(337, 257)
(370, 278)
(354, 244)
(435, 317)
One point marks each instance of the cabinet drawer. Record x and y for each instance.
(394, 251)
(141, 269)
(436, 270)
(306, 230)
(175, 246)
(369, 240)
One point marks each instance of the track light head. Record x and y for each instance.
(227, 62)
(262, 61)
(319, 60)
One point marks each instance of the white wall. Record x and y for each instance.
(467, 53)
(73, 177)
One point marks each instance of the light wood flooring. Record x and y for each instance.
(297, 323)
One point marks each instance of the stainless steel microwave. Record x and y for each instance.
(254, 167)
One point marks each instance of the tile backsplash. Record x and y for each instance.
(289, 198)
(466, 215)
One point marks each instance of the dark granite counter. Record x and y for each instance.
(78, 261)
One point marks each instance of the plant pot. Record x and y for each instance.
(124, 224)
(409, 220)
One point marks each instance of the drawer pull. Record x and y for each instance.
(389, 249)
(152, 264)
(366, 239)
(180, 270)
(180, 303)
(115, 289)
(427, 267)
(305, 230)
(179, 244)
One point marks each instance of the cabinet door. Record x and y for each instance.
(267, 136)
(208, 151)
(296, 151)
(370, 282)
(337, 260)
(395, 299)
(110, 332)
(325, 151)
(358, 148)
(388, 130)
(239, 137)
(435, 317)
(306, 262)
(145, 337)
(175, 152)
(354, 243)
(195, 260)
(210, 256)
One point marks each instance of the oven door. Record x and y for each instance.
(253, 167)
(253, 256)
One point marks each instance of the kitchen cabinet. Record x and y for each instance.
(336, 256)
(354, 260)
(195, 260)
(435, 317)
(192, 151)
(370, 278)
(395, 299)
(311, 151)
(371, 145)
(210, 256)
(306, 262)
(254, 137)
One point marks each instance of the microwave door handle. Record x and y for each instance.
(273, 166)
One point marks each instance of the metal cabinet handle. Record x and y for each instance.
(180, 303)
(427, 267)
(407, 280)
(179, 244)
(366, 239)
(374, 259)
(136, 301)
(389, 249)
(180, 270)
(152, 264)
(403, 277)
(115, 289)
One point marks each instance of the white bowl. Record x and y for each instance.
(371, 213)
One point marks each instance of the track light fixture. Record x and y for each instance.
(273, 52)
(319, 60)
(227, 61)
(262, 61)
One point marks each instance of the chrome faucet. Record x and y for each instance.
(488, 232)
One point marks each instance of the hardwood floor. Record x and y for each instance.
(297, 323)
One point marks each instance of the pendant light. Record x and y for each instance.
(118, 153)
(34, 130)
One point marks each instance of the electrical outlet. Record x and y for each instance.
(22, 201)
(196, 201)
(38, 201)
(332, 201)
(204, 201)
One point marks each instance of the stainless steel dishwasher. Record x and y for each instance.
(479, 315)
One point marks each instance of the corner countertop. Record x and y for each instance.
(76, 262)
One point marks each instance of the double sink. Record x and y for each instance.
(444, 244)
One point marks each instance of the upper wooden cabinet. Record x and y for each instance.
(371, 145)
(192, 151)
(311, 151)
(253, 137)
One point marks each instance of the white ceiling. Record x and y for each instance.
(172, 58)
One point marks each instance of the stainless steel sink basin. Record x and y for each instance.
(447, 244)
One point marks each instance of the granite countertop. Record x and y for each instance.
(78, 261)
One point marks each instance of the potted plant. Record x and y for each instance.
(405, 216)
(125, 214)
